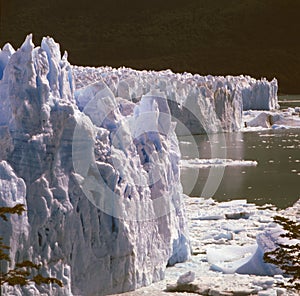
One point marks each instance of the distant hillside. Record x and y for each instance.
(260, 38)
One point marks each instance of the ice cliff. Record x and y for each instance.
(100, 180)
(199, 104)
(93, 154)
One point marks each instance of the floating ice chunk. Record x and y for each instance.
(229, 259)
(233, 227)
(279, 126)
(186, 278)
(262, 120)
(291, 110)
(233, 203)
(209, 217)
(270, 292)
(248, 259)
(256, 120)
(215, 162)
(226, 236)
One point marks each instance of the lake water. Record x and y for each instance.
(275, 179)
(286, 101)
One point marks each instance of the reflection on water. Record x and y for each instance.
(275, 180)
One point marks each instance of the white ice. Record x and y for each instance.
(263, 120)
(214, 162)
(93, 154)
(225, 258)
(199, 104)
(100, 177)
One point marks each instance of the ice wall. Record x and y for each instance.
(100, 180)
(260, 94)
(199, 104)
(94, 155)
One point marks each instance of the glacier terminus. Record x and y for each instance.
(93, 154)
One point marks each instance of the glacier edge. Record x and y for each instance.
(95, 157)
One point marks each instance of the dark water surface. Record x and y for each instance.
(275, 180)
(286, 101)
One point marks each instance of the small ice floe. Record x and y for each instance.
(228, 259)
(209, 217)
(184, 284)
(247, 259)
(186, 278)
(234, 227)
(215, 162)
(280, 126)
(263, 119)
(233, 203)
(224, 236)
(235, 209)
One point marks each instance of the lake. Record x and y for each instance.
(286, 101)
(274, 180)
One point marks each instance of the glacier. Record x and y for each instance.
(198, 104)
(93, 155)
(104, 204)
